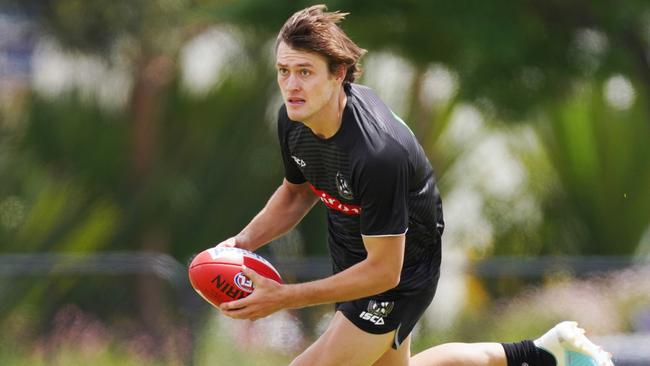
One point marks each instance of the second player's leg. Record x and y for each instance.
(345, 344)
(478, 354)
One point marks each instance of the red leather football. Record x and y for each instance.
(216, 273)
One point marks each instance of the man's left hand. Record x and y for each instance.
(267, 298)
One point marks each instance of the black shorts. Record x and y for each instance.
(379, 315)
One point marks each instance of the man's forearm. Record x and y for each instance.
(379, 272)
(282, 212)
(358, 281)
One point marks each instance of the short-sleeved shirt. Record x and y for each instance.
(375, 180)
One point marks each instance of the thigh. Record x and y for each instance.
(345, 344)
(396, 357)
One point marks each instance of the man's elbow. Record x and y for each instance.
(394, 281)
(390, 279)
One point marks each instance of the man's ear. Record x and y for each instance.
(340, 72)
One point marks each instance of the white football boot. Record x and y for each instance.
(570, 347)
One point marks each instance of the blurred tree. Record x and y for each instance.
(168, 173)
(600, 155)
(515, 56)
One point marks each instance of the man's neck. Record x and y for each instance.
(328, 122)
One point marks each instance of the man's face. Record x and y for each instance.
(306, 84)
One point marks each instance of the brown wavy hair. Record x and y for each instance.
(315, 30)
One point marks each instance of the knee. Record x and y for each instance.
(296, 361)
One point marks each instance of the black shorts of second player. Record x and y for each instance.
(379, 315)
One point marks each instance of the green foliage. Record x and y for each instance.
(98, 27)
(72, 137)
(517, 55)
(600, 156)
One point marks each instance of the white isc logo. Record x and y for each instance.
(376, 320)
(301, 163)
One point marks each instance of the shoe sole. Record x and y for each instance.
(573, 338)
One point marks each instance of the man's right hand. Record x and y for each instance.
(229, 243)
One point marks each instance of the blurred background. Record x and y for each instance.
(134, 134)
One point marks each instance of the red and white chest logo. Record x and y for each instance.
(333, 203)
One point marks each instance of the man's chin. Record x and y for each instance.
(296, 116)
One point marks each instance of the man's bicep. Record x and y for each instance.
(300, 190)
(386, 250)
(383, 246)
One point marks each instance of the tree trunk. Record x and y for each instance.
(153, 76)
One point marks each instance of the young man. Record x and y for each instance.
(343, 146)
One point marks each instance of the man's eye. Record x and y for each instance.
(305, 72)
(283, 71)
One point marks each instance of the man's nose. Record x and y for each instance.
(293, 83)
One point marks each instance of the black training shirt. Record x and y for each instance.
(375, 180)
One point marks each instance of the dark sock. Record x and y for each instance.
(546, 357)
(525, 353)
